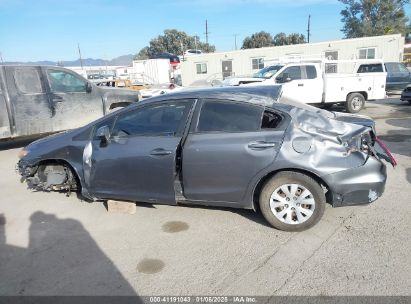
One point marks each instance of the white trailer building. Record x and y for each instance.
(200, 69)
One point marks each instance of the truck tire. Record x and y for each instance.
(292, 201)
(355, 102)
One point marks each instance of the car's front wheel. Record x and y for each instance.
(292, 201)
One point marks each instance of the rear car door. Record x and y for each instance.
(74, 105)
(32, 112)
(229, 143)
(140, 160)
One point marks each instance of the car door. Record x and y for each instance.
(227, 146)
(31, 111)
(139, 161)
(301, 83)
(75, 101)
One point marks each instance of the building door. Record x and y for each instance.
(227, 68)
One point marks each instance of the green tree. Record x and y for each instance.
(174, 42)
(258, 40)
(296, 38)
(264, 39)
(283, 39)
(373, 17)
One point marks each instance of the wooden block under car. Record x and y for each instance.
(121, 207)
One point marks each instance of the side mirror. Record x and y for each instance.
(103, 133)
(89, 87)
(282, 78)
(285, 77)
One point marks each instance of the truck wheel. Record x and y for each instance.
(355, 102)
(292, 201)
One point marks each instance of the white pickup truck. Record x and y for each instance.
(308, 82)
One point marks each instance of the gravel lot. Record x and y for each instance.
(51, 244)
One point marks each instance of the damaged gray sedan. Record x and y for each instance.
(232, 147)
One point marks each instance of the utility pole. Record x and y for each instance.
(235, 41)
(1, 58)
(206, 32)
(79, 53)
(308, 29)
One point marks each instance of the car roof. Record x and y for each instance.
(264, 95)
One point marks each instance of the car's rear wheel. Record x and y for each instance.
(355, 102)
(292, 201)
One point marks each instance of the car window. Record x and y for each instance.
(294, 72)
(267, 72)
(370, 68)
(61, 81)
(402, 68)
(311, 72)
(167, 119)
(270, 120)
(28, 80)
(395, 67)
(217, 116)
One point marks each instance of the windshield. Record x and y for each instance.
(268, 71)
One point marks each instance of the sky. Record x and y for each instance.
(51, 29)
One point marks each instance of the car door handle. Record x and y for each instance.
(160, 152)
(57, 99)
(261, 145)
(301, 84)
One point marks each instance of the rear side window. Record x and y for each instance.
(270, 120)
(218, 116)
(28, 81)
(370, 68)
(311, 72)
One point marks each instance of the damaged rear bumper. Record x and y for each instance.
(357, 186)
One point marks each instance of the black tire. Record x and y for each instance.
(355, 102)
(290, 177)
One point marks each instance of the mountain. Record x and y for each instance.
(124, 60)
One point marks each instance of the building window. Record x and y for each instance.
(367, 53)
(331, 67)
(201, 68)
(257, 63)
